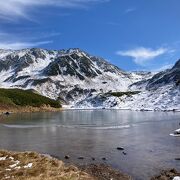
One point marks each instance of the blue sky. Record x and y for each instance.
(132, 34)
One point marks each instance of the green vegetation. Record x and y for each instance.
(128, 93)
(18, 97)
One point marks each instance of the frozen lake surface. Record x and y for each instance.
(98, 133)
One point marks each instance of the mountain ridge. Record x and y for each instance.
(74, 77)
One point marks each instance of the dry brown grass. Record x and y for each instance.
(17, 109)
(167, 175)
(43, 168)
(104, 172)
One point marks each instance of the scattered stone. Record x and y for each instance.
(93, 159)
(120, 148)
(104, 159)
(124, 153)
(81, 157)
(167, 175)
(7, 113)
(172, 171)
(177, 132)
(67, 157)
(104, 172)
(177, 159)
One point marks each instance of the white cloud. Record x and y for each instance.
(14, 41)
(21, 45)
(142, 55)
(12, 9)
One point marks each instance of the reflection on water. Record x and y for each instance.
(97, 133)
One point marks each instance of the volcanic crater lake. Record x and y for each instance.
(97, 133)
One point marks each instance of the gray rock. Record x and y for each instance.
(67, 157)
(120, 148)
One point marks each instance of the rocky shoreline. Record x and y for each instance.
(170, 174)
(104, 172)
(123, 109)
(45, 108)
(34, 166)
(26, 109)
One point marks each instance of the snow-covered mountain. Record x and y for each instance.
(161, 92)
(81, 80)
(70, 75)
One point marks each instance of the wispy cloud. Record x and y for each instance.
(13, 9)
(142, 55)
(16, 41)
(22, 45)
(129, 10)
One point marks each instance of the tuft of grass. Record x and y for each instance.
(42, 168)
(128, 93)
(18, 97)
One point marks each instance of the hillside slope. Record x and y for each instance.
(81, 80)
(14, 98)
(69, 75)
(161, 92)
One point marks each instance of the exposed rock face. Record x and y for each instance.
(83, 81)
(160, 92)
(70, 75)
(166, 77)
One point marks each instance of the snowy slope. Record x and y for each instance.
(164, 98)
(70, 75)
(161, 92)
(81, 80)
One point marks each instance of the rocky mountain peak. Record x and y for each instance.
(177, 65)
(73, 75)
